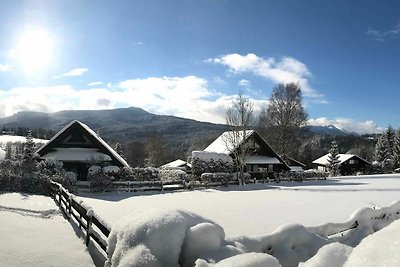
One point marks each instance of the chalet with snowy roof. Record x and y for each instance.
(295, 165)
(77, 147)
(348, 164)
(177, 165)
(262, 158)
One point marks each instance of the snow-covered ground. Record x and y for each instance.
(4, 139)
(153, 230)
(255, 210)
(33, 232)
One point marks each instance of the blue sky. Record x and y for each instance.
(190, 58)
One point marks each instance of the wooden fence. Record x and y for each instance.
(83, 216)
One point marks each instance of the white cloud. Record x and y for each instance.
(72, 73)
(245, 83)
(4, 67)
(188, 97)
(95, 83)
(286, 70)
(383, 35)
(348, 125)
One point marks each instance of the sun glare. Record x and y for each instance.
(34, 50)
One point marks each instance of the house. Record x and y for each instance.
(177, 165)
(78, 147)
(295, 165)
(261, 157)
(348, 164)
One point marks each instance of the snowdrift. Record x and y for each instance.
(178, 238)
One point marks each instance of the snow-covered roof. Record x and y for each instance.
(112, 151)
(175, 164)
(342, 158)
(208, 156)
(262, 160)
(77, 154)
(226, 142)
(296, 169)
(94, 135)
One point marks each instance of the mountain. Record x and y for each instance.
(122, 125)
(329, 130)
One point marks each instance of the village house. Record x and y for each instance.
(177, 165)
(78, 147)
(260, 159)
(348, 164)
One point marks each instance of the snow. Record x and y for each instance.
(261, 160)
(342, 158)
(223, 144)
(2, 154)
(379, 249)
(34, 233)
(174, 164)
(111, 169)
(4, 139)
(165, 238)
(77, 154)
(257, 219)
(243, 260)
(332, 255)
(208, 156)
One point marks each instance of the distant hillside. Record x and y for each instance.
(328, 130)
(122, 125)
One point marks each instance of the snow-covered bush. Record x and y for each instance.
(219, 177)
(136, 240)
(246, 176)
(210, 162)
(170, 175)
(99, 180)
(145, 174)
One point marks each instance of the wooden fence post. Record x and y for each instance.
(69, 207)
(88, 227)
(59, 196)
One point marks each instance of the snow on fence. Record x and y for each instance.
(84, 216)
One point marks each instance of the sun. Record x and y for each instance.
(34, 50)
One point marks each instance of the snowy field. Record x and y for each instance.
(34, 233)
(38, 235)
(255, 210)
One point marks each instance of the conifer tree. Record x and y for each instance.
(333, 159)
(29, 147)
(381, 152)
(396, 150)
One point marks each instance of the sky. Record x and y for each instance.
(191, 58)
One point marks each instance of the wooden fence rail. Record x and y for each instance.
(84, 216)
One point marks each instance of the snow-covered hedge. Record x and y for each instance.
(219, 177)
(306, 175)
(192, 240)
(170, 175)
(210, 162)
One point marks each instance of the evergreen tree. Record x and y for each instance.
(396, 150)
(333, 159)
(390, 137)
(29, 166)
(8, 150)
(381, 151)
(29, 147)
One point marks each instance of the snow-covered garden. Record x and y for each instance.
(286, 224)
(214, 225)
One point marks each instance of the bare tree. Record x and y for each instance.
(283, 119)
(240, 118)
